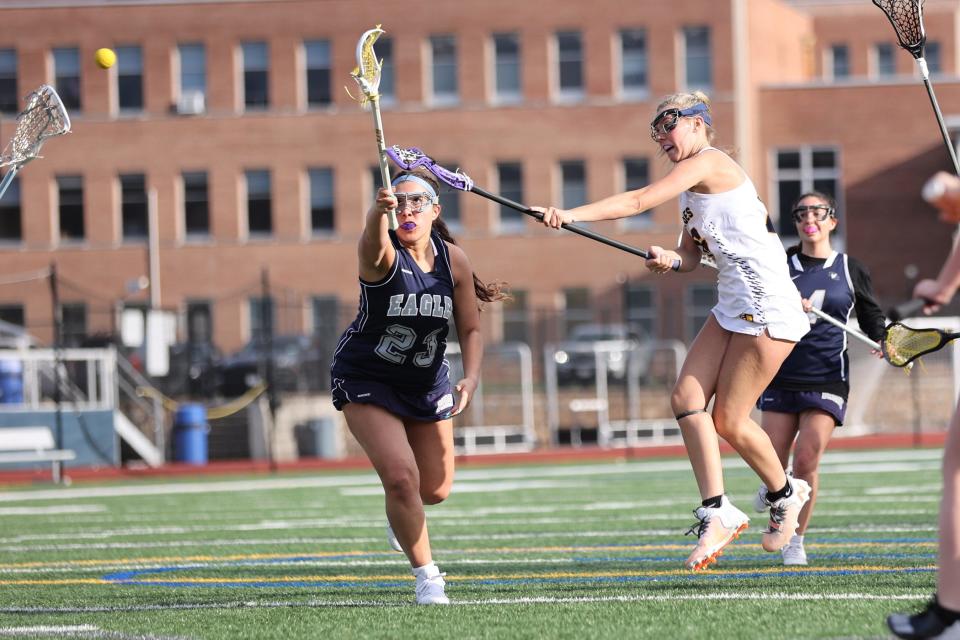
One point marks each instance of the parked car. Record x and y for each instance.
(296, 366)
(618, 345)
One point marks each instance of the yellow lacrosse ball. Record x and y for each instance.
(105, 58)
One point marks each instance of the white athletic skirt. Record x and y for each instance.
(786, 321)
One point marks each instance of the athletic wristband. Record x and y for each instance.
(676, 264)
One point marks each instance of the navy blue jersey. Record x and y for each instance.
(820, 358)
(399, 336)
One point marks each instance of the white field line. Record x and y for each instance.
(846, 462)
(73, 631)
(438, 537)
(440, 518)
(671, 597)
(53, 510)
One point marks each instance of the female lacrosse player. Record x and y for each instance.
(808, 396)
(941, 618)
(757, 320)
(389, 375)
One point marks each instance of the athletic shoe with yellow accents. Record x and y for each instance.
(717, 527)
(784, 514)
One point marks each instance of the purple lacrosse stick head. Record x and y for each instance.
(409, 159)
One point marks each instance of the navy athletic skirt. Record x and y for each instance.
(432, 406)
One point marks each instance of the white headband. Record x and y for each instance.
(407, 177)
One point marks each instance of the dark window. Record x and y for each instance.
(256, 63)
(196, 204)
(516, 326)
(9, 94)
(573, 179)
(259, 210)
(636, 175)
(133, 206)
(840, 61)
(321, 200)
(506, 51)
(510, 181)
(570, 61)
(11, 225)
(932, 55)
(698, 65)
(74, 323)
(384, 50)
(12, 313)
(199, 322)
(444, 58)
(633, 61)
(262, 318)
(317, 53)
(70, 199)
(130, 78)
(66, 73)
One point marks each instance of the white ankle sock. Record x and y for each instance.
(427, 571)
(797, 539)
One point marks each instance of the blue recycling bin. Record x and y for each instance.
(11, 381)
(190, 431)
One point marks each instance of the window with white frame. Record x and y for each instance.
(443, 64)
(506, 68)
(66, 73)
(450, 202)
(321, 200)
(196, 204)
(633, 64)
(193, 77)
(932, 54)
(837, 63)
(516, 323)
(576, 308)
(262, 316)
(130, 78)
(9, 94)
(697, 58)
(384, 50)
(800, 170)
(259, 207)
(133, 207)
(70, 208)
(318, 65)
(256, 77)
(573, 183)
(570, 82)
(636, 175)
(700, 299)
(11, 216)
(510, 183)
(884, 64)
(640, 307)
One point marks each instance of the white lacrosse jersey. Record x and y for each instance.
(754, 287)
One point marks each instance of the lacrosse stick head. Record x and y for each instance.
(412, 157)
(901, 344)
(906, 16)
(44, 116)
(367, 71)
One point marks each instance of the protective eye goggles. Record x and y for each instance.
(668, 119)
(820, 211)
(415, 201)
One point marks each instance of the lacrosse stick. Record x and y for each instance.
(43, 117)
(902, 344)
(367, 75)
(407, 159)
(906, 16)
(413, 157)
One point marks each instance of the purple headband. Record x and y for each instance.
(406, 177)
(698, 109)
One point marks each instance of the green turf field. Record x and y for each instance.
(585, 550)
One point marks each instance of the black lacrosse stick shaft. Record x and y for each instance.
(943, 127)
(569, 227)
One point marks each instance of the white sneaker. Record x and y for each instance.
(784, 514)
(794, 555)
(760, 499)
(717, 528)
(430, 586)
(392, 539)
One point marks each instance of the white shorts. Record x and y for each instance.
(782, 323)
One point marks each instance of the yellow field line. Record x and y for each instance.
(331, 554)
(554, 575)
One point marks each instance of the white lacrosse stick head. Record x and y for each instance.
(367, 71)
(43, 117)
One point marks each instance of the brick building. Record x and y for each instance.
(233, 113)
